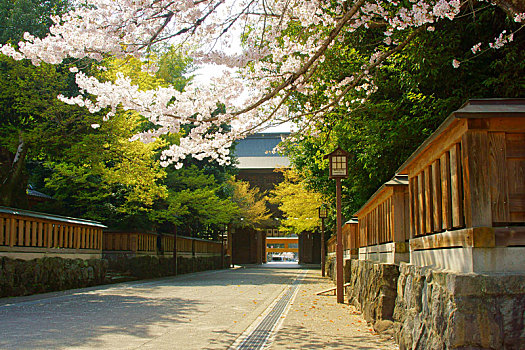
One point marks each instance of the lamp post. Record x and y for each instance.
(338, 161)
(323, 214)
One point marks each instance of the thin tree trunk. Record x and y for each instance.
(13, 185)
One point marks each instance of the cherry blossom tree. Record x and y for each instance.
(274, 63)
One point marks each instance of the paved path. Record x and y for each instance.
(207, 310)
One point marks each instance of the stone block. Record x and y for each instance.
(438, 309)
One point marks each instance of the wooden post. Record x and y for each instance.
(399, 228)
(175, 251)
(2, 220)
(323, 252)
(478, 207)
(339, 247)
(222, 250)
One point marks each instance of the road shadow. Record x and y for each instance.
(83, 319)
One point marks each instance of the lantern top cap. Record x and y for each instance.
(337, 152)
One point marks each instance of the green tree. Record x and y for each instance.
(251, 203)
(416, 90)
(298, 204)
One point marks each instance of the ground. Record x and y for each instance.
(209, 310)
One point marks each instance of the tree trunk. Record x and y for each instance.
(13, 183)
(511, 7)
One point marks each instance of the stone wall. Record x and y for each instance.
(330, 269)
(373, 290)
(24, 277)
(446, 310)
(151, 266)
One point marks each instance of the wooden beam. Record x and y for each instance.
(436, 148)
(510, 236)
(480, 237)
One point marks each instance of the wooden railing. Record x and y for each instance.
(143, 242)
(436, 195)
(383, 218)
(349, 237)
(20, 228)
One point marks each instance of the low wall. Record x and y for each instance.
(330, 268)
(447, 310)
(151, 266)
(24, 277)
(373, 289)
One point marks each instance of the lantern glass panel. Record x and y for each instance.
(339, 166)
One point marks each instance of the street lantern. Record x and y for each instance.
(323, 214)
(338, 160)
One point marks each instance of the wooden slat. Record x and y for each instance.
(55, 235)
(436, 196)
(412, 188)
(67, 236)
(380, 215)
(27, 239)
(40, 234)
(21, 228)
(516, 187)
(8, 231)
(49, 230)
(398, 216)
(34, 229)
(446, 202)
(428, 200)
(421, 202)
(61, 236)
(478, 209)
(78, 237)
(12, 233)
(498, 177)
(456, 187)
(70, 236)
(2, 231)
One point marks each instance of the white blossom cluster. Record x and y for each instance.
(272, 65)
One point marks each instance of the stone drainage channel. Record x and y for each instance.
(262, 331)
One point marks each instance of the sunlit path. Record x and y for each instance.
(204, 310)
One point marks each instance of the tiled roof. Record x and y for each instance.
(258, 145)
(256, 152)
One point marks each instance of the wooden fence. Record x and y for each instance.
(349, 237)
(143, 242)
(384, 218)
(467, 181)
(39, 232)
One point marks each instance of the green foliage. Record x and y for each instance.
(252, 210)
(417, 89)
(298, 204)
(33, 16)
